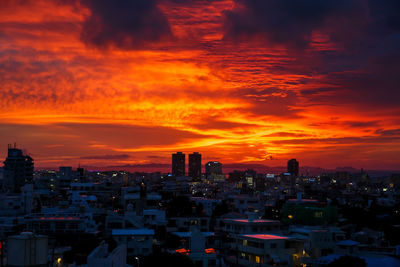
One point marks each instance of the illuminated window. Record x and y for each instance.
(244, 242)
(318, 214)
(258, 259)
(290, 216)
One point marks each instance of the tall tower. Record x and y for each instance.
(195, 165)
(293, 167)
(178, 164)
(18, 169)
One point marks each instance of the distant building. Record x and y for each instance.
(195, 165)
(80, 174)
(178, 164)
(18, 169)
(213, 167)
(293, 167)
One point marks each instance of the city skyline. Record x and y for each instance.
(180, 166)
(119, 83)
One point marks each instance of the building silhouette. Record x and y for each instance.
(18, 169)
(293, 167)
(178, 164)
(195, 165)
(65, 176)
(213, 167)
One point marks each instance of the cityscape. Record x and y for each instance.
(199, 133)
(196, 215)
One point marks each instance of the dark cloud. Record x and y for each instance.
(376, 84)
(289, 22)
(362, 69)
(374, 140)
(126, 24)
(367, 24)
(392, 132)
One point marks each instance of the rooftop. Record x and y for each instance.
(266, 237)
(143, 231)
(189, 234)
(252, 221)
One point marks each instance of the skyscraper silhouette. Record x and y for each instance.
(293, 167)
(18, 169)
(195, 165)
(178, 164)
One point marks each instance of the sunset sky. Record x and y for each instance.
(112, 83)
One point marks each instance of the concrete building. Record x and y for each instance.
(251, 226)
(197, 250)
(266, 250)
(318, 241)
(184, 224)
(195, 165)
(18, 170)
(60, 223)
(137, 241)
(308, 212)
(101, 257)
(207, 203)
(27, 249)
(178, 164)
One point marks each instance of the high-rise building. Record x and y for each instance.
(195, 165)
(65, 176)
(213, 167)
(178, 164)
(18, 169)
(293, 167)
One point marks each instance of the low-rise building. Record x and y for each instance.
(250, 226)
(27, 249)
(102, 257)
(265, 250)
(137, 241)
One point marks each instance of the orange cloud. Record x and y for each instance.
(68, 101)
